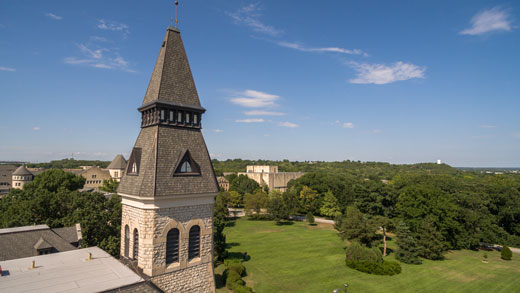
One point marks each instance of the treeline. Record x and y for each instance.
(371, 170)
(69, 164)
(53, 198)
(432, 208)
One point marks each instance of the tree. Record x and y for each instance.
(430, 241)
(109, 185)
(276, 207)
(54, 179)
(408, 251)
(330, 206)
(355, 226)
(307, 197)
(256, 202)
(310, 218)
(243, 184)
(291, 202)
(235, 199)
(220, 212)
(506, 253)
(385, 224)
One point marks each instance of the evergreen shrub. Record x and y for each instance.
(310, 218)
(506, 253)
(237, 267)
(242, 289)
(233, 279)
(388, 268)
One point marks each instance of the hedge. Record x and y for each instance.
(389, 268)
(506, 253)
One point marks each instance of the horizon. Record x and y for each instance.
(437, 81)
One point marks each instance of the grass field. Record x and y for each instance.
(301, 258)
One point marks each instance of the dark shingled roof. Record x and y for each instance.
(143, 287)
(171, 78)
(70, 234)
(22, 171)
(118, 162)
(164, 146)
(24, 242)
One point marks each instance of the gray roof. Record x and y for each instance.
(68, 272)
(22, 242)
(70, 234)
(118, 162)
(6, 172)
(22, 171)
(163, 146)
(171, 79)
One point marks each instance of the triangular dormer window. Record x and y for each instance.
(134, 162)
(187, 166)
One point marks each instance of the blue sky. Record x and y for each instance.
(393, 81)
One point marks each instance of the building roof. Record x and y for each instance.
(6, 172)
(25, 241)
(161, 148)
(70, 272)
(20, 171)
(171, 79)
(118, 162)
(71, 234)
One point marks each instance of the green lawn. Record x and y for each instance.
(303, 258)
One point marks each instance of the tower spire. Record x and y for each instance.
(176, 14)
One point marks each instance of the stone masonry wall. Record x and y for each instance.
(194, 275)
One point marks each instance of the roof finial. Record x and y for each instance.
(176, 18)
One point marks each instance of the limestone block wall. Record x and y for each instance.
(153, 226)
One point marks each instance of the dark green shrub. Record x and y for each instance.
(506, 253)
(242, 289)
(260, 217)
(233, 279)
(310, 218)
(357, 252)
(237, 267)
(389, 268)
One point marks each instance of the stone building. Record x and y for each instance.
(169, 185)
(21, 176)
(117, 167)
(94, 177)
(223, 183)
(269, 175)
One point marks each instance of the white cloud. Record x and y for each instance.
(382, 74)
(97, 59)
(302, 48)
(250, 16)
(488, 126)
(376, 131)
(288, 124)
(263, 113)
(98, 39)
(494, 19)
(53, 16)
(217, 130)
(250, 120)
(3, 68)
(36, 128)
(112, 26)
(254, 99)
(348, 125)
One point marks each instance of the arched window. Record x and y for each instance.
(194, 242)
(127, 240)
(185, 167)
(136, 244)
(172, 246)
(134, 167)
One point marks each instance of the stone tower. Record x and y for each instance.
(20, 177)
(169, 185)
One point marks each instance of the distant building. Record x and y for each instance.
(6, 178)
(439, 162)
(21, 176)
(117, 167)
(29, 241)
(269, 175)
(223, 183)
(94, 177)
